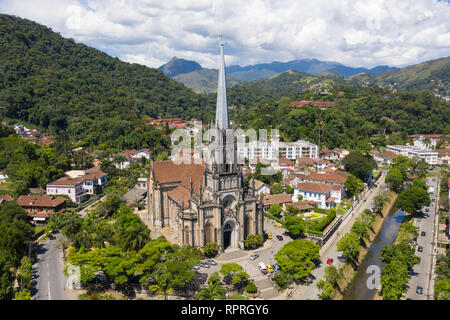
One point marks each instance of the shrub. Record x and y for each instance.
(281, 280)
(253, 241)
(251, 287)
(210, 250)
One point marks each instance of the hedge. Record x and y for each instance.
(319, 233)
(322, 224)
(271, 216)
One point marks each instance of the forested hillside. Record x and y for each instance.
(359, 113)
(60, 85)
(430, 75)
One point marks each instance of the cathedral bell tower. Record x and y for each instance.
(222, 176)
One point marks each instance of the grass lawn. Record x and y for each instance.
(8, 185)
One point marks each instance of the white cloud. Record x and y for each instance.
(355, 33)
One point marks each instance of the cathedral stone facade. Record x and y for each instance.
(207, 202)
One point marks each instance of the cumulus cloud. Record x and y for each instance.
(356, 33)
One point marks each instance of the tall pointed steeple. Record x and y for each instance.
(221, 105)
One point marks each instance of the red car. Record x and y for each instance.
(329, 260)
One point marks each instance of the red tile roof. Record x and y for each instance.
(168, 171)
(44, 201)
(388, 154)
(281, 198)
(314, 187)
(6, 198)
(65, 182)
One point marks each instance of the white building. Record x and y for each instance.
(269, 151)
(325, 195)
(431, 157)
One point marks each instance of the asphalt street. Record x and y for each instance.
(422, 271)
(48, 280)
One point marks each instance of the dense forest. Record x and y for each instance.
(360, 112)
(59, 85)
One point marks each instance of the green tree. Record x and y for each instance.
(295, 225)
(275, 209)
(349, 245)
(297, 257)
(353, 185)
(413, 199)
(359, 165)
(276, 188)
(214, 291)
(360, 229)
(394, 179)
(229, 268)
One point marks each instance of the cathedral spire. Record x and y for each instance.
(221, 105)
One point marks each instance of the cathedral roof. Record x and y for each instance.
(168, 171)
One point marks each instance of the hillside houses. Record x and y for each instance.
(126, 157)
(385, 158)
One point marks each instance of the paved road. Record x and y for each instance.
(48, 280)
(329, 250)
(422, 271)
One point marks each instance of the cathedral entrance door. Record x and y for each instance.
(229, 235)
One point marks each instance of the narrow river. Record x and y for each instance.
(358, 289)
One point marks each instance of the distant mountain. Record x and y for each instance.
(312, 66)
(204, 80)
(191, 74)
(178, 66)
(430, 75)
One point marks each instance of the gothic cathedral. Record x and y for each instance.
(207, 202)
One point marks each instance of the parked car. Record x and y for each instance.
(423, 233)
(262, 267)
(433, 200)
(276, 267)
(419, 248)
(269, 268)
(279, 237)
(211, 262)
(204, 265)
(254, 256)
(413, 243)
(269, 236)
(194, 268)
(329, 260)
(419, 290)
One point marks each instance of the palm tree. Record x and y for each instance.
(214, 291)
(163, 285)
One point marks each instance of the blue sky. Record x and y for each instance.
(356, 33)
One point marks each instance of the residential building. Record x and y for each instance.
(269, 151)
(385, 158)
(3, 177)
(302, 206)
(41, 207)
(282, 199)
(260, 187)
(443, 156)
(320, 193)
(5, 198)
(408, 151)
(426, 141)
(73, 188)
